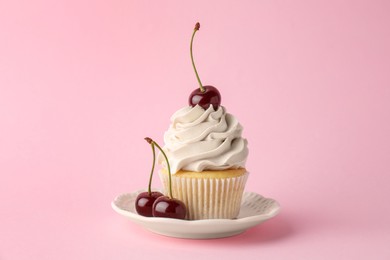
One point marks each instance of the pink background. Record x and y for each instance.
(83, 82)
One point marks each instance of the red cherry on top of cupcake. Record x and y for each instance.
(209, 96)
(203, 96)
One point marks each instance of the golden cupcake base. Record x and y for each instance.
(208, 194)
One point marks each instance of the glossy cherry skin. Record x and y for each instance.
(166, 207)
(210, 96)
(144, 203)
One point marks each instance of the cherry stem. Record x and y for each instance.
(151, 173)
(149, 140)
(197, 26)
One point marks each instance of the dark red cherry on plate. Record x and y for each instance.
(210, 96)
(144, 202)
(167, 207)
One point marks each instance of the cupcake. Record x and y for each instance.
(207, 156)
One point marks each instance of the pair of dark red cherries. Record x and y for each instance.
(154, 203)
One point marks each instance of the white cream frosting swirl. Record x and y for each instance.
(199, 139)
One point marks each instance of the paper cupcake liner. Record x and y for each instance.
(208, 198)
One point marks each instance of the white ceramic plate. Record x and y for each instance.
(255, 209)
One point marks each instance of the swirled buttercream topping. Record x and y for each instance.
(199, 140)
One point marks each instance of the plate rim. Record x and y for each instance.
(141, 219)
